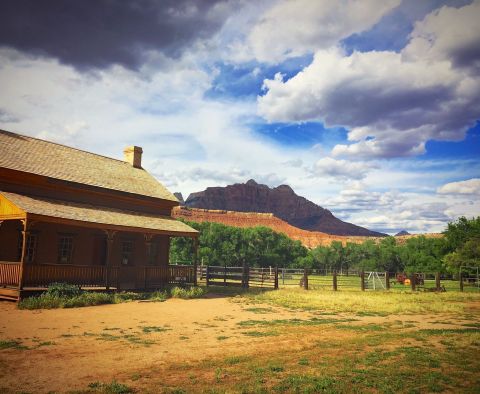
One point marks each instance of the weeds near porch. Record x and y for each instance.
(52, 301)
(187, 293)
(63, 295)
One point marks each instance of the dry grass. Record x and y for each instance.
(380, 303)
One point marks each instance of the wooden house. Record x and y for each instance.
(72, 216)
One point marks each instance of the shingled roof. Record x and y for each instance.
(40, 157)
(100, 215)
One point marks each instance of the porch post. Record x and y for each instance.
(25, 233)
(148, 252)
(195, 260)
(110, 236)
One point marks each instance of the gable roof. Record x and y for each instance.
(40, 157)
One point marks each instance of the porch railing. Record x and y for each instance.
(132, 277)
(9, 273)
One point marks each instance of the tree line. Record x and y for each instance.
(262, 247)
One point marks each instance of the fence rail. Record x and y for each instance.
(330, 279)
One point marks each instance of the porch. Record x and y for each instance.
(37, 277)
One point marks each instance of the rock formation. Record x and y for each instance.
(310, 239)
(281, 201)
(403, 232)
(179, 197)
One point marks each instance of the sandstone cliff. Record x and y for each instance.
(310, 239)
(281, 201)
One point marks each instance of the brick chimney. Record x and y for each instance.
(133, 156)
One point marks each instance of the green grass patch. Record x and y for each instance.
(292, 322)
(11, 344)
(259, 310)
(110, 388)
(260, 333)
(150, 329)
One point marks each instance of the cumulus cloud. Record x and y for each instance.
(341, 169)
(471, 186)
(106, 32)
(391, 102)
(393, 211)
(294, 28)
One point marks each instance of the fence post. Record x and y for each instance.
(207, 275)
(413, 281)
(305, 279)
(335, 280)
(247, 276)
(387, 280)
(460, 278)
(437, 281)
(275, 284)
(225, 275)
(362, 280)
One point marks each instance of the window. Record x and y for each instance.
(65, 249)
(30, 249)
(127, 252)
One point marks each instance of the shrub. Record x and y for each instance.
(186, 293)
(59, 289)
(49, 301)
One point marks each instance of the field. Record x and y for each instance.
(286, 341)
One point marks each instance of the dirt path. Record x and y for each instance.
(66, 349)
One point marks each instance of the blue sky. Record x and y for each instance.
(368, 108)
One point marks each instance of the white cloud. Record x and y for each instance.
(296, 27)
(341, 169)
(391, 102)
(393, 211)
(471, 186)
(448, 34)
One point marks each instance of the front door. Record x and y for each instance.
(99, 250)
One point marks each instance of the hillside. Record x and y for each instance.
(310, 239)
(281, 201)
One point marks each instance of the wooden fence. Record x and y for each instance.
(244, 277)
(322, 279)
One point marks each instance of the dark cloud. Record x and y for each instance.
(96, 34)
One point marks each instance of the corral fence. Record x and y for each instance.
(244, 276)
(275, 278)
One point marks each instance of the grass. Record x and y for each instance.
(109, 388)
(378, 303)
(391, 364)
(53, 298)
(11, 344)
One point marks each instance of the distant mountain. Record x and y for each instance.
(281, 201)
(179, 197)
(403, 232)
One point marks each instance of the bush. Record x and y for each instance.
(58, 289)
(49, 301)
(186, 293)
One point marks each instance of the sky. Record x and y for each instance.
(368, 108)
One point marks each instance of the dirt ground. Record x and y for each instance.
(66, 349)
